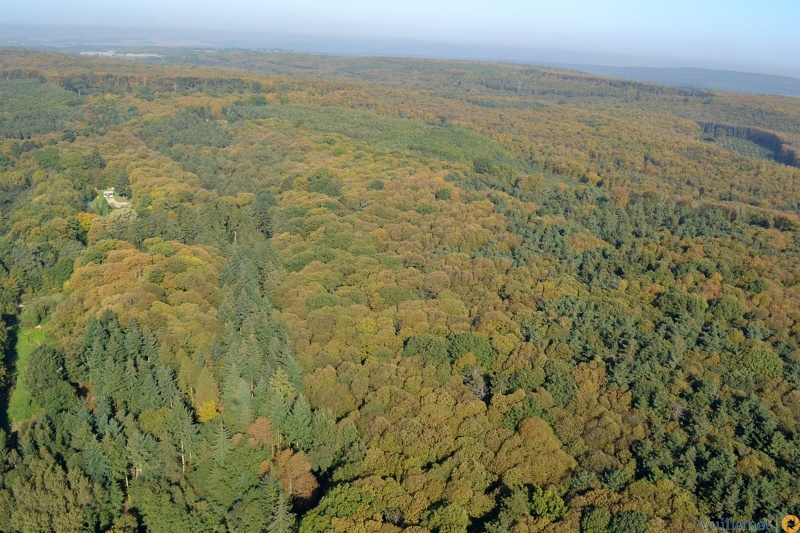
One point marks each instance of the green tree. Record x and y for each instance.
(432, 349)
(443, 194)
(298, 424)
(481, 348)
(547, 504)
(514, 505)
(595, 520)
(48, 158)
(45, 378)
(221, 446)
(756, 360)
(95, 160)
(449, 518)
(343, 500)
(262, 204)
(141, 449)
(282, 520)
(628, 522)
(51, 499)
(324, 446)
(559, 382)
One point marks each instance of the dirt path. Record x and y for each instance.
(115, 204)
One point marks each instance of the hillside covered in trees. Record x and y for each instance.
(382, 295)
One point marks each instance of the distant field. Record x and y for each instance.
(745, 147)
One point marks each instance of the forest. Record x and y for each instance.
(383, 295)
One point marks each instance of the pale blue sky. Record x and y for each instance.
(722, 33)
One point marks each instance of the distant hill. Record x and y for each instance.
(699, 78)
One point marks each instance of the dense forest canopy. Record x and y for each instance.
(366, 294)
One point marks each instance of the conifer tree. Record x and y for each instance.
(298, 424)
(134, 341)
(221, 446)
(324, 447)
(282, 520)
(166, 387)
(141, 450)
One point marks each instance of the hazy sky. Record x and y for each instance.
(722, 33)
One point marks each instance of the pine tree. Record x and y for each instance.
(184, 433)
(230, 381)
(128, 384)
(244, 402)
(261, 398)
(116, 338)
(80, 426)
(246, 303)
(352, 450)
(115, 350)
(217, 348)
(95, 161)
(221, 447)
(273, 352)
(298, 424)
(293, 369)
(95, 333)
(113, 448)
(95, 463)
(324, 448)
(280, 383)
(149, 345)
(141, 450)
(283, 520)
(3, 452)
(277, 410)
(254, 365)
(232, 270)
(166, 387)
(95, 353)
(134, 341)
(122, 184)
(102, 412)
(148, 396)
(105, 378)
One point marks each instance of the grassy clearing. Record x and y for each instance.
(746, 148)
(21, 406)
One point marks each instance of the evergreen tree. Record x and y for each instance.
(166, 387)
(595, 520)
(134, 341)
(298, 424)
(289, 363)
(128, 389)
(277, 410)
(149, 345)
(148, 394)
(45, 378)
(95, 462)
(282, 520)
(221, 446)
(141, 450)
(628, 522)
(122, 183)
(324, 446)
